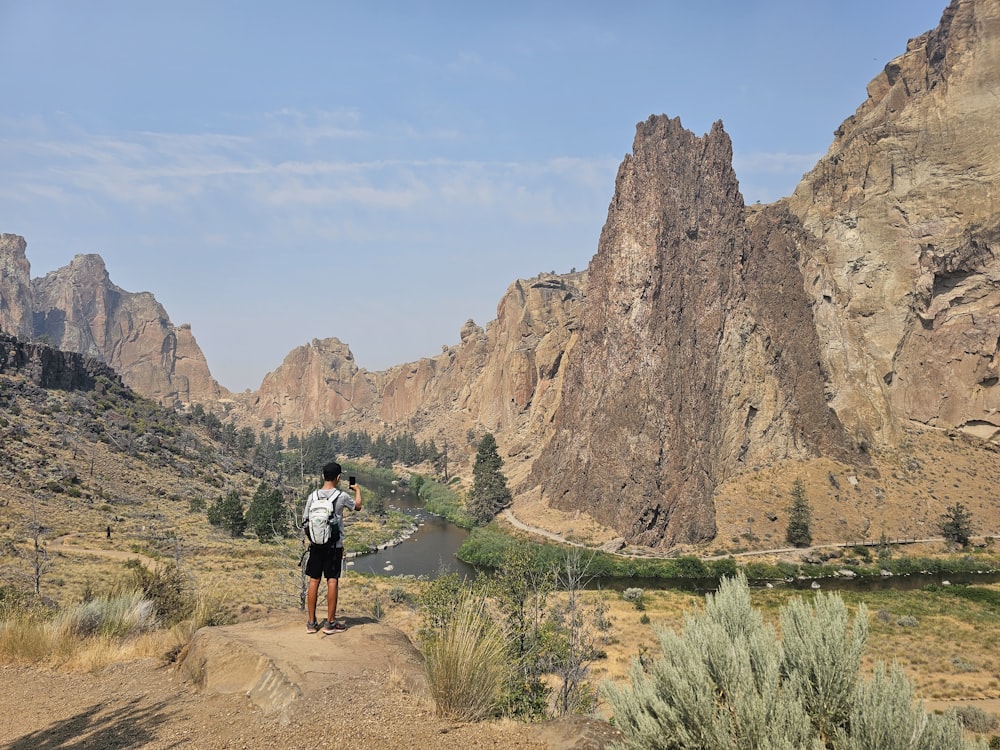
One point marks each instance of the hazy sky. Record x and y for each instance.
(381, 172)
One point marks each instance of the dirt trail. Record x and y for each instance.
(261, 684)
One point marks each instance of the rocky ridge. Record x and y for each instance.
(78, 309)
(906, 213)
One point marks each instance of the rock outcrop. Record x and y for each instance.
(697, 354)
(906, 210)
(52, 368)
(318, 385)
(76, 308)
(15, 287)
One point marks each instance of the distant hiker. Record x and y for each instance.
(109, 532)
(323, 520)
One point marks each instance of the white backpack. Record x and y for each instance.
(321, 521)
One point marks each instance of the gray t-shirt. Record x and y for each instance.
(343, 502)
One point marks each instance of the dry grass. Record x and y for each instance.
(467, 663)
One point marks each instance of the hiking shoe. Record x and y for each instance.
(334, 627)
(312, 627)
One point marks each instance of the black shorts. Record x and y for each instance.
(324, 561)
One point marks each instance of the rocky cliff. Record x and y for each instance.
(503, 378)
(905, 207)
(52, 368)
(697, 355)
(77, 308)
(15, 287)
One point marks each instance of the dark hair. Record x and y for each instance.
(331, 471)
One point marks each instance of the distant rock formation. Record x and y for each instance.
(318, 385)
(78, 309)
(503, 378)
(15, 287)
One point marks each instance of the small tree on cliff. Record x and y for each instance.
(799, 517)
(489, 493)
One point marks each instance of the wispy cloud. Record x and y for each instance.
(154, 170)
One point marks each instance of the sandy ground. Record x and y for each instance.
(260, 684)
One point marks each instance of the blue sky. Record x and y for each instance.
(381, 172)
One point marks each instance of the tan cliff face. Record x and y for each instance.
(317, 386)
(906, 209)
(501, 379)
(15, 287)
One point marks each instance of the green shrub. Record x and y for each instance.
(727, 681)
(975, 719)
(167, 587)
(636, 596)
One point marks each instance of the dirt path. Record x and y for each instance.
(59, 545)
(260, 684)
(508, 514)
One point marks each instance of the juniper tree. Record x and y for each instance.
(799, 517)
(266, 515)
(956, 524)
(489, 493)
(227, 512)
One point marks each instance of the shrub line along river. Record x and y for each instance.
(432, 551)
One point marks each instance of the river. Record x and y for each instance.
(429, 552)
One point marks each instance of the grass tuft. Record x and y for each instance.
(466, 663)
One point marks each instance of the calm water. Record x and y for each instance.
(429, 552)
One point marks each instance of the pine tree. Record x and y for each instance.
(266, 514)
(489, 493)
(799, 517)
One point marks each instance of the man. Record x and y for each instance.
(327, 560)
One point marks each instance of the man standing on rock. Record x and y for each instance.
(328, 559)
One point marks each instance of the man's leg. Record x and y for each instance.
(312, 593)
(331, 598)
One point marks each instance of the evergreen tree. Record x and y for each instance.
(799, 517)
(227, 513)
(489, 493)
(266, 514)
(956, 524)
